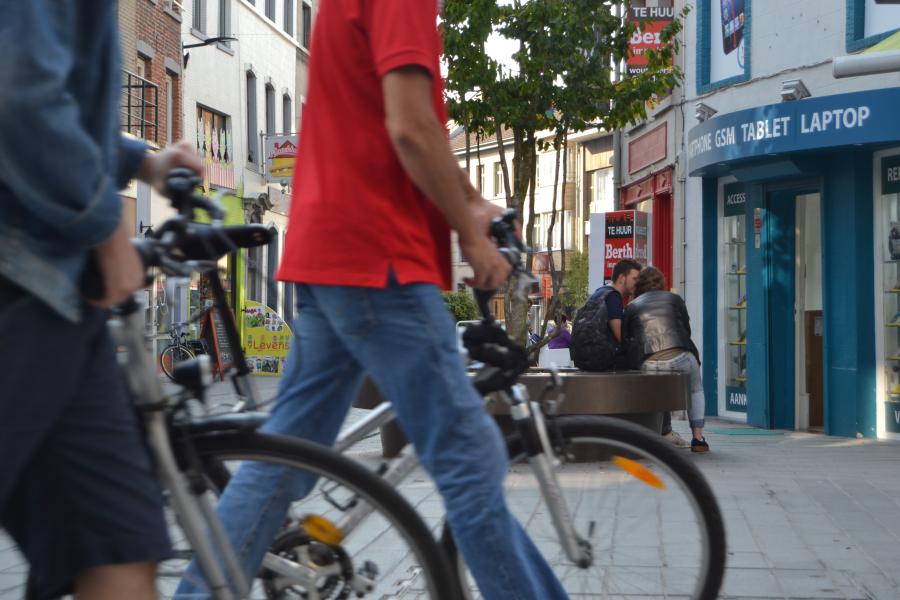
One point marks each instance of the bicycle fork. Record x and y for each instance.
(532, 430)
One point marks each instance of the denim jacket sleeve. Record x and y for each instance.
(132, 152)
(54, 167)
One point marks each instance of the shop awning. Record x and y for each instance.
(775, 131)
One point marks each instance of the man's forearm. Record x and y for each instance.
(425, 155)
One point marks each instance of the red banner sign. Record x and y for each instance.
(646, 36)
(625, 236)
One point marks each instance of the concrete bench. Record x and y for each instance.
(631, 395)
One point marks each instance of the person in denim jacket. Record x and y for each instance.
(77, 491)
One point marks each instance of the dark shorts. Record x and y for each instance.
(77, 489)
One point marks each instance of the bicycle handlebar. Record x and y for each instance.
(503, 230)
(486, 341)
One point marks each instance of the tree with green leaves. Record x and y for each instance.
(562, 81)
(461, 304)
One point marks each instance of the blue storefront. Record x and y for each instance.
(801, 271)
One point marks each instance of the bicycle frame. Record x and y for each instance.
(529, 420)
(195, 514)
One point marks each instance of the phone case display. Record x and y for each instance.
(735, 286)
(890, 256)
(732, 24)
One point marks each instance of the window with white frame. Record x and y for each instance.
(287, 122)
(289, 17)
(252, 136)
(224, 18)
(563, 224)
(198, 18)
(604, 196)
(170, 107)
(270, 110)
(306, 37)
(546, 170)
(498, 180)
(270, 10)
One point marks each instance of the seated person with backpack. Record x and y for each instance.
(597, 329)
(657, 338)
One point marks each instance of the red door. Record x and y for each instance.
(662, 235)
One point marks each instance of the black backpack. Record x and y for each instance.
(593, 347)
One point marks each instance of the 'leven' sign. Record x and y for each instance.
(829, 121)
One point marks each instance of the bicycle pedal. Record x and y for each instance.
(322, 530)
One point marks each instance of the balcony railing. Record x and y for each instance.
(140, 107)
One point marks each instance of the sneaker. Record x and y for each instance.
(699, 445)
(676, 440)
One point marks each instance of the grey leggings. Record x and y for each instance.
(684, 363)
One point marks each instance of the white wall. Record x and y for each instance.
(272, 53)
(212, 79)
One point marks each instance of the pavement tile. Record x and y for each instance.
(807, 516)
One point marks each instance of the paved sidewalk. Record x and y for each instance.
(807, 516)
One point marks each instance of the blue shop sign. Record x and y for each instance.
(814, 123)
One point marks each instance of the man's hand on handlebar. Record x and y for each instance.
(491, 268)
(156, 166)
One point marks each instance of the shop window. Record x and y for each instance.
(889, 226)
(735, 289)
(254, 274)
(272, 267)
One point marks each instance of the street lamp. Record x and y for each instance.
(206, 42)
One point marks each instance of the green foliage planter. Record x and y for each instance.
(462, 305)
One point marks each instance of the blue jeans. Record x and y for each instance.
(684, 363)
(403, 337)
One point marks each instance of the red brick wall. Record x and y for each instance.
(159, 30)
(128, 33)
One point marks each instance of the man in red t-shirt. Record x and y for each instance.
(375, 194)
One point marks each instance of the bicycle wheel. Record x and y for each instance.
(649, 515)
(390, 554)
(171, 356)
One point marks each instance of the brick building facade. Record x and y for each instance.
(152, 68)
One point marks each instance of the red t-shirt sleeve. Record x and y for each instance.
(401, 33)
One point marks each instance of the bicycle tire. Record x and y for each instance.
(171, 356)
(606, 434)
(219, 449)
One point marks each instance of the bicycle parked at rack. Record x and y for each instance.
(178, 350)
(393, 556)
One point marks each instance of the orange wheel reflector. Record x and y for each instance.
(322, 530)
(638, 471)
